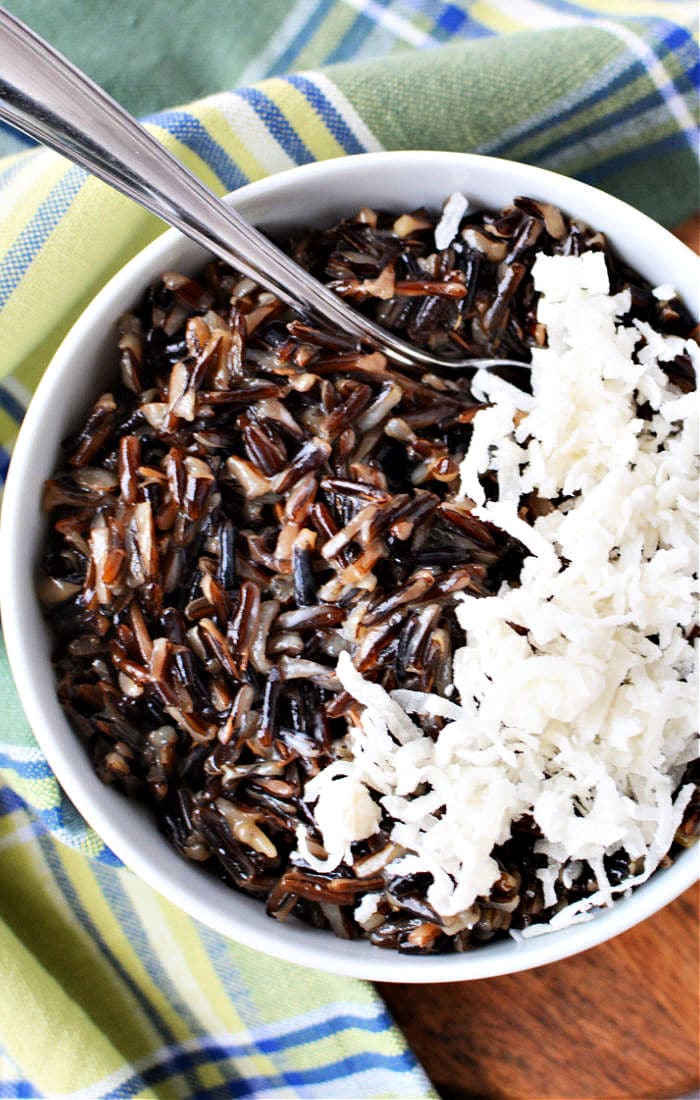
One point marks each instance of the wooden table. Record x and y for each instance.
(619, 1021)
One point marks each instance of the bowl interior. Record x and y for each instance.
(84, 366)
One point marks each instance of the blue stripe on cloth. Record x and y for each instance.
(75, 832)
(180, 1063)
(328, 112)
(351, 1066)
(12, 406)
(13, 140)
(47, 821)
(673, 143)
(192, 133)
(18, 1090)
(129, 919)
(28, 769)
(660, 37)
(676, 37)
(450, 20)
(106, 856)
(679, 85)
(693, 76)
(10, 802)
(211, 1052)
(648, 24)
(4, 467)
(323, 1029)
(29, 242)
(70, 894)
(351, 43)
(602, 125)
(301, 38)
(15, 169)
(223, 962)
(632, 69)
(62, 820)
(282, 131)
(51, 820)
(17, 1085)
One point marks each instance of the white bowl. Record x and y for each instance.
(315, 194)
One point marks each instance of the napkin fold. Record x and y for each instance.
(108, 990)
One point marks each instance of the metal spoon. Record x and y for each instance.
(47, 97)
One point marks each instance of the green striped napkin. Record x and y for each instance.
(108, 990)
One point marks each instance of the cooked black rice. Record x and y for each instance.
(222, 510)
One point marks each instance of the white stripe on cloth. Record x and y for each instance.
(23, 754)
(535, 16)
(541, 16)
(15, 388)
(367, 1083)
(20, 835)
(347, 112)
(148, 908)
(251, 1037)
(655, 68)
(284, 35)
(247, 125)
(393, 22)
(28, 172)
(521, 130)
(598, 147)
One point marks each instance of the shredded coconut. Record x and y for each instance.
(575, 697)
(664, 293)
(366, 908)
(345, 812)
(452, 213)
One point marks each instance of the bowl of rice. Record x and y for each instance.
(384, 671)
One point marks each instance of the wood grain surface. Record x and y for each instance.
(689, 232)
(619, 1022)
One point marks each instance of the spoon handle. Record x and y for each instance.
(47, 97)
(50, 99)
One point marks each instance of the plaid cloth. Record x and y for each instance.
(108, 989)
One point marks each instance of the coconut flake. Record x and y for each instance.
(575, 695)
(665, 292)
(452, 213)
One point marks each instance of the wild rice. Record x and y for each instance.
(253, 497)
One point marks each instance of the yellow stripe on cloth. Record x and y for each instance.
(40, 792)
(496, 19)
(8, 426)
(635, 9)
(224, 127)
(181, 954)
(28, 1023)
(102, 1024)
(99, 232)
(25, 193)
(188, 157)
(304, 118)
(104, 915)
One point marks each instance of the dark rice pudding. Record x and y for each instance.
(255, 496)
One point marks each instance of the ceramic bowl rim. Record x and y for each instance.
(72, 768)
